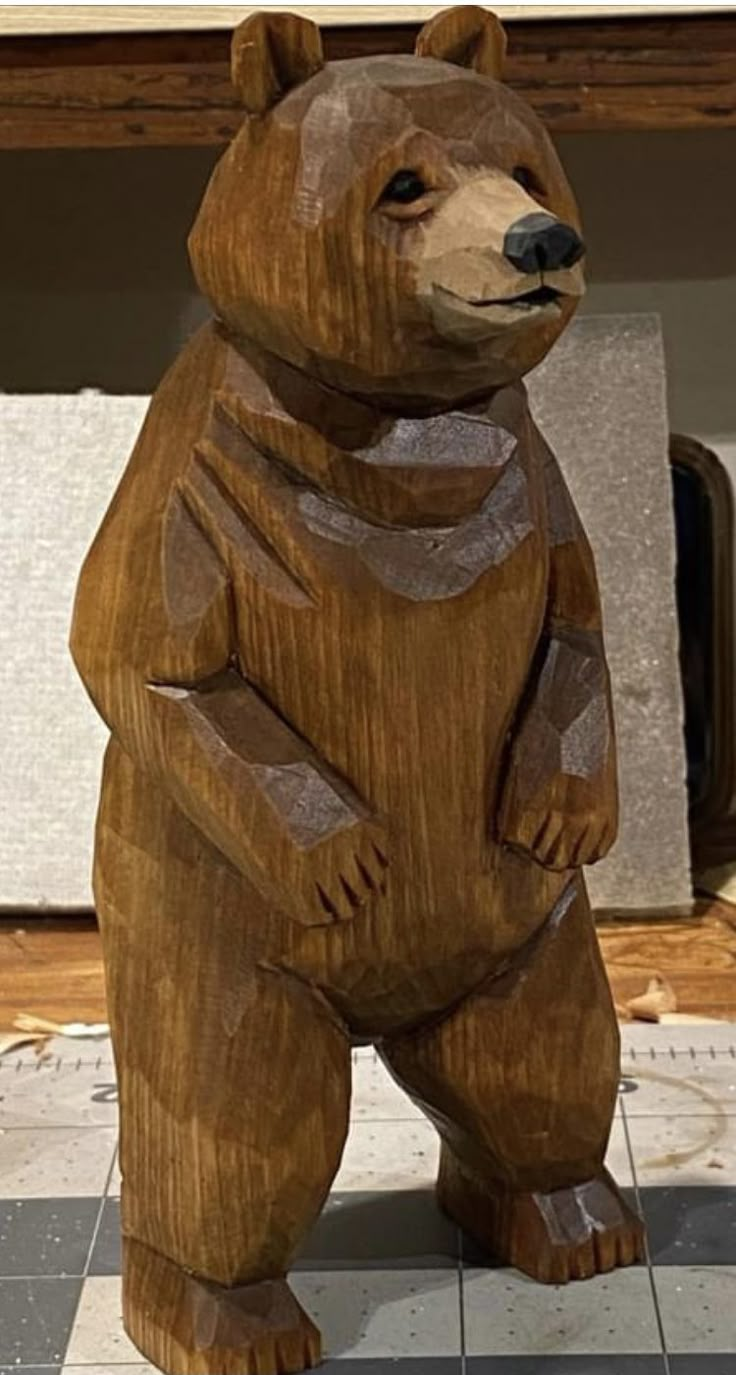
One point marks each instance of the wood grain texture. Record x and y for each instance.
(343, 623)
(145, 89)
(697, 957)
(51, 968)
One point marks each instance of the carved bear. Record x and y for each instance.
(342, 621)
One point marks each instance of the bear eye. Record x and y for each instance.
(528, 181)
(404, 187)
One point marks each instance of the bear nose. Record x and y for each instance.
(537, 242)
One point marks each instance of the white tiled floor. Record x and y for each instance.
(389, 1285)
(389, 1155)
(684, 1150)
(376, 1096)
(698, 1307)
(376, 1313)
(98, 1333)
(618, 1160)
(681, 1086)
(56, 1162)
(507, 1313)
(47, 1094)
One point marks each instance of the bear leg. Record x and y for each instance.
(234, 1086)
(521, 1081)
(223, 1176)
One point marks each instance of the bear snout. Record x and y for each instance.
(542, 243)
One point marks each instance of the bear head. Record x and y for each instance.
(399, 228)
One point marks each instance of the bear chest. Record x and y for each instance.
(394, 649)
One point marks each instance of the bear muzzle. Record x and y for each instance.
(541, 243)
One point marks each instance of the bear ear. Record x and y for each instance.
(467, 35)
(271, 52)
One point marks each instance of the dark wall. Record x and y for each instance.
(95, 283)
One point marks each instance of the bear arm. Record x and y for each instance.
(560, 800)
(156, 656)
(263, 796)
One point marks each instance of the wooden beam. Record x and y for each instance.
(123, 90)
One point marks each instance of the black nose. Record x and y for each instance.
(539, 242)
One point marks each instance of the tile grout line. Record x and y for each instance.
(461, 1299)
(116, 1198)
(650, 1268)
(58, 1127)
(101, 1208)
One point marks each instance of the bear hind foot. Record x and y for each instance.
(567, 1234)
(188, 1326)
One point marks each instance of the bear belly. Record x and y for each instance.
(411, 700)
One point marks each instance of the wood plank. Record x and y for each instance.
(51, 967)
(161, 89)
(696, 956)
(114, 129)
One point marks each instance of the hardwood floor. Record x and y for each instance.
(52, 967)
(696, 956)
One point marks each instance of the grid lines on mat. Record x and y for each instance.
(395, 1287)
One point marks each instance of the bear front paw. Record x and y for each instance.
(560, 842)
(361, 881)
(338, 879)
(571, 842)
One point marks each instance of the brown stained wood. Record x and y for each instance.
(342, 620)
(467, 36)
(175, 89)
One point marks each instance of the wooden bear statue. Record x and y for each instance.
(342, 621)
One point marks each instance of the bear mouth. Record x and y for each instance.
(526, 300)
